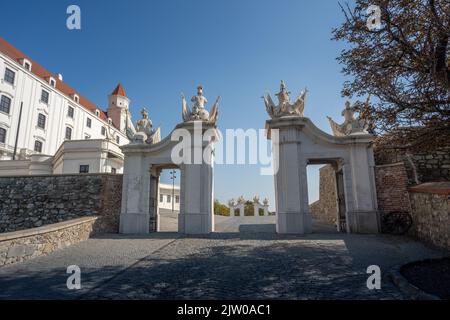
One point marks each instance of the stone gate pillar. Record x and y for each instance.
(361, 193)
(291, 189)
(135, 216)
(197, 180)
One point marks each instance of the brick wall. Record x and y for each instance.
(392, 187)
(34, 201)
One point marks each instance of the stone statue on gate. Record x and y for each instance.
(284, 107)
(351, 125)
(199, 113)
(144, 132)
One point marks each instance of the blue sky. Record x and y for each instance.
(157, 49)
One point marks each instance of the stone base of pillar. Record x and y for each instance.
(194, 223)
(363, 221)
(134, 223)
(294, 223)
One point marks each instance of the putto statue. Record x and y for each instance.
(284, 107)
(144, 132)
(256, 199)
(350, 124)
(199, 113)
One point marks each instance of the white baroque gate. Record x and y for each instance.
(185, 148)
(299, 143)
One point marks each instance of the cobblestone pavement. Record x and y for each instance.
(245, 260)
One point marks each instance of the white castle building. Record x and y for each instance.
(48, 127)
(169, 198)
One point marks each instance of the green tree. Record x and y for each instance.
(221, 209)
(248, 208)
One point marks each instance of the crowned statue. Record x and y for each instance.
(284, 107)
(199, 112)
(351, 125)
(144, 132)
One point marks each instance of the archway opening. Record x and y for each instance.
(166, 202)
(325, 196)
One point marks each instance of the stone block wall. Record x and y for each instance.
(22, 245)
(430, 210)
(33, 201)
(391, 182)
(325, 209)
(421, 167)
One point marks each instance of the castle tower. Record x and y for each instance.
(118, 103)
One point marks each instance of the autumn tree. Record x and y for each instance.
(399, 53)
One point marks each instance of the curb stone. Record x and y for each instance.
(411, 291)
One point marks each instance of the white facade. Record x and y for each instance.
(63, 109)
(169, 198)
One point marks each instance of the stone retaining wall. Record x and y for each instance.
(325, 209)
(26, 244)
(421, 166)
(430, 204)
(34, 201)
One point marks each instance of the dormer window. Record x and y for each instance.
(97, 113)
(109, 121)
(52, 82)
(76, 98)
(26, 64)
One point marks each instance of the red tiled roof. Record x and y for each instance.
(119, 91)
(41, 72)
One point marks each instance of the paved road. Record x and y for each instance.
(244, 260)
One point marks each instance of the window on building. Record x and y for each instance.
(161, 198)
(70, 112)
(68, 133)
(5, 104)
(88, 122)
(177, 199)
(103, 131)
(53, 82)
(38, 146)
(41, 121)
(97, 113)
(44, 96)
(27, 66)
(113, 170)
(169, 200)
(2, 135)
(117, 139)
(84, 168)
(9, 76)
(76, 98)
